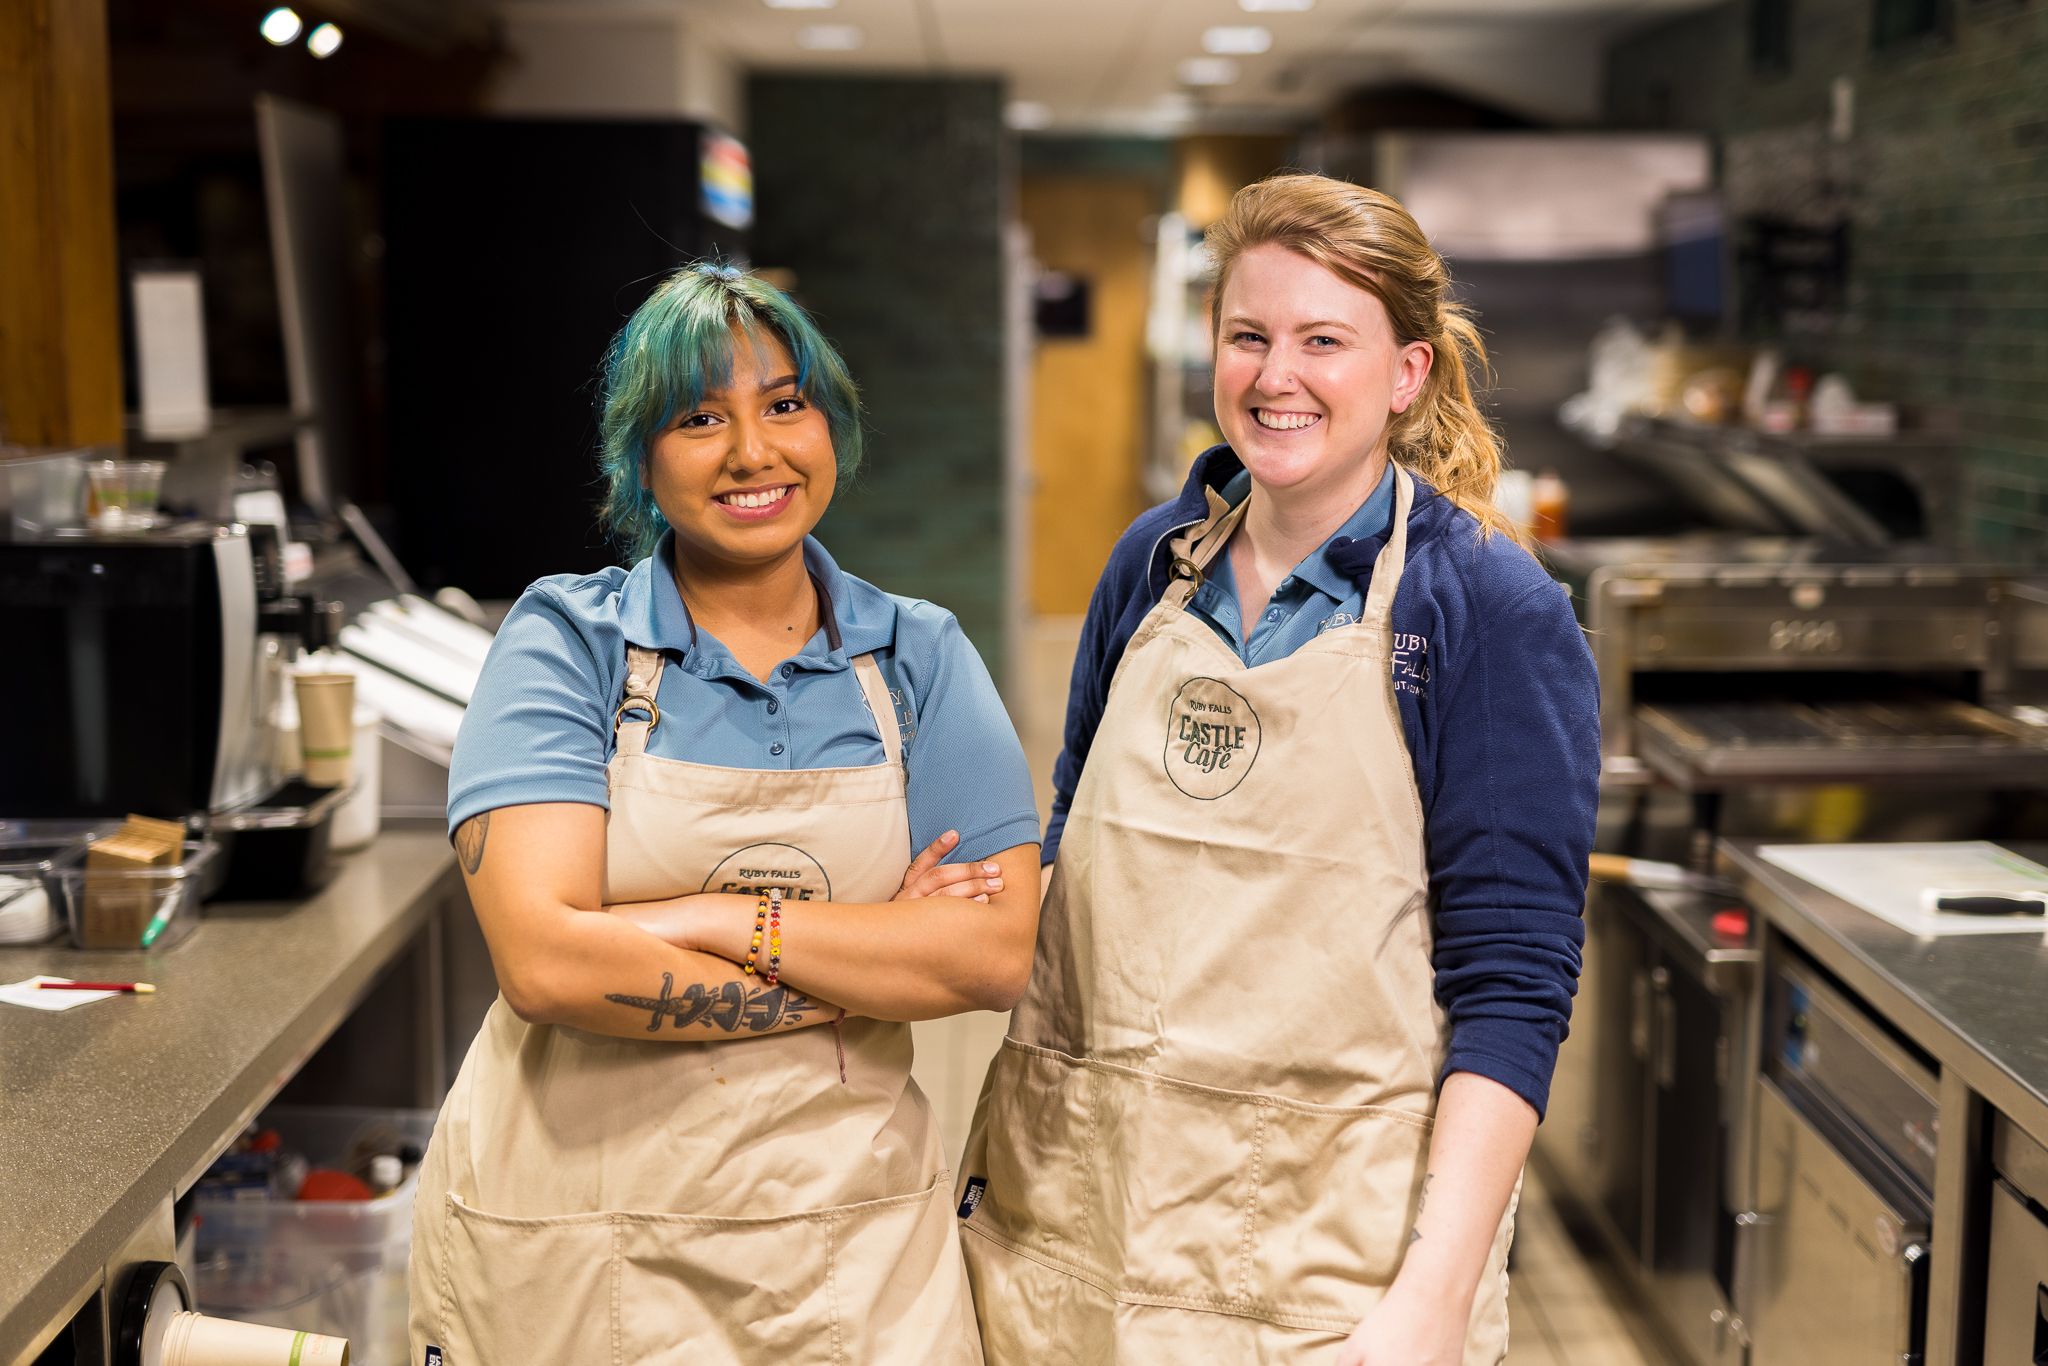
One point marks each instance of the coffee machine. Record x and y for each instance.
(142, 672)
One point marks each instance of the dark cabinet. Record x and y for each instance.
(1651, 1086)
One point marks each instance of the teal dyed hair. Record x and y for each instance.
(677, 347)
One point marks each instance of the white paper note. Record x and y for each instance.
(25, 993)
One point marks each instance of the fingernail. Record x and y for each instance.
(991, 867)
(995, 884)
(983, 898)
(950, 835)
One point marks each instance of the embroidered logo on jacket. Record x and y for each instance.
(1411, 663)
(1212, 737)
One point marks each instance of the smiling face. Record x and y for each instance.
(1309, 374)
(745, 475)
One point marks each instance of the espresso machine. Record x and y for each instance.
(143, 672)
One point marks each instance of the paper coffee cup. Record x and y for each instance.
(196, 1340)
(327, 706)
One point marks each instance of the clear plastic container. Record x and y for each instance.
(43, 492)
(34, 855)
(336, 1268)
(124, 493)
(137, 908)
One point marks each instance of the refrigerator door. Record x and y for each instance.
(1837, 1272)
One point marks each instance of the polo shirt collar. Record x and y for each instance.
(652, 611)
(1372, 519)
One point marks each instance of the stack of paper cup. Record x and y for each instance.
(196, 1340)
(327, 705)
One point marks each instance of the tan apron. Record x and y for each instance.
(1204, 1139)
(589, 1199)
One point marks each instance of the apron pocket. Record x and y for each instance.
(1184, 1182)
(1337, 1197)
(528, 1290)
(875, 1281)
(1034, 1143)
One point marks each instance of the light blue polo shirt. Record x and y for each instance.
(539, 728)
(1315, 598)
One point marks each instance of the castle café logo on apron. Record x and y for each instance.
(1212, 737)
(756, 868)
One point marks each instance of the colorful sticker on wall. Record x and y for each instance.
(728, 179)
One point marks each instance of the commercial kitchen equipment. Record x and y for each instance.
(1847, 1128)
(2016, 1290)
(1794, 665)
(1649, 1108)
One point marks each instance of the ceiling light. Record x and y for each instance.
(829, 38)
(1275, 6)
(1028, 116)
(800, 4)
(1236, 40)
(280, 26)
(1208, 71)
(324, 41)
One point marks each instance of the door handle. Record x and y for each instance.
(1639, 1017)
(1667, 1031)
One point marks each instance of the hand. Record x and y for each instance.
(1406, 1330)
(926, 876)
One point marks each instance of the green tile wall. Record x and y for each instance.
(887, 198)
(1945, 184)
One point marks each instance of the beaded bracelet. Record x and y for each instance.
(774, 935)
(760, 925)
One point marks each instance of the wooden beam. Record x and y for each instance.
(60, 325)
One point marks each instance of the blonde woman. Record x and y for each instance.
(1310, 939)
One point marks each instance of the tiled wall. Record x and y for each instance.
(886, 198)
(1944, 182)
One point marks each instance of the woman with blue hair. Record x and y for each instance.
(685, 798)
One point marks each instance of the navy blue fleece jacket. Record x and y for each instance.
(1501, 709)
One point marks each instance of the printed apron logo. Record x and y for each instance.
(1212, 737)
(754, 869)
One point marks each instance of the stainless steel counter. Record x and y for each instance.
(109, 1110)
(1977, 1003)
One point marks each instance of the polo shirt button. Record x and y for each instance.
(1273, 615)
(788, 669)
(775, 748)
(773, 706)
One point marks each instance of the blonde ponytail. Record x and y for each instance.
(1368, 239)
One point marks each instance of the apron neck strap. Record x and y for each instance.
(876, 691)
(1195, 549)
(643, 685)
(1386, 571)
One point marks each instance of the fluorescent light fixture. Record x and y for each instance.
(1174, 102)
(1028, 115)
(829, 38)
(1208, 71)
(1275, 6)
(800, 4)
(324, 41)
(1236, 40)
(280, 26)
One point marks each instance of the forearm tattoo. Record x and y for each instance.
(469, 842)
(728, 1006)
(1421, 1199)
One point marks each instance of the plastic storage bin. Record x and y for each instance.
(34, 855)
(334, 1268)
(120, 909)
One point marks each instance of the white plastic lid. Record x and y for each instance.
(386, 1171)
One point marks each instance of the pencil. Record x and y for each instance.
(135, 988)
